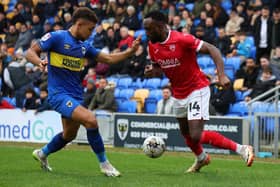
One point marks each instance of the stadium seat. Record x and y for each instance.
(113, 79)
(139, 96)
(124, 82)
(246, 93)
(253, 52)
(137, 84)
(153, 83)
(155, 94)
(209, 71)
(239, 108)
(227, 5)
(229, 71)
(196, 21)
(127, 106)
(203, 61)
(150, 105)
(117, 92)
(164, 82)
(125, 94)
(233, 61)
(238, 96)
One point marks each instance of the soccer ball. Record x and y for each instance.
(153, 146)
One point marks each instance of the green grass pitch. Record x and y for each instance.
(77, 166)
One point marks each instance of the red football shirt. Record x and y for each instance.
(177, 58)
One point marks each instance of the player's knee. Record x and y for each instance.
(91, 123)
(195, 137)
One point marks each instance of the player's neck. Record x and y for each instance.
(73, 32)
(165, 35)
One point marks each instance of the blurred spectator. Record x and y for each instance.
(242, 48)
(249, 73)
(275, 38)
(5, 104)
(151, 5)
(202, 18)
(50, 9)
(275, 60)
(176, 23)
(223, 41)
(110, 12)
(11, 36)
(121, 10)
(116, 28)
(89, 92)
(104, 97)
(165, 105)
(186, 19)
(37, 28)
(3, 23)
(66, 8)
(57, 26)
(233, 24)
(67, 20)
(134, 66)
(27, 14)
(126, 39)
(17, 17)
(220, 16)
(29, 102)
(111, 40)
(131, 21)
(47, 27)
(246, 25)
(39, 9)
(99, 39)
(24, 39)
(42, 102)
(265, 64)
(262, 33)
(91, 74)
(264, 83)
(209, 30)
(198, 7)
(221, 98)
(208, 8)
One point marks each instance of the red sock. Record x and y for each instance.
(195, 147)
(217, 140)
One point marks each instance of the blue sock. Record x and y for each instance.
(96, 143)
(54, 145)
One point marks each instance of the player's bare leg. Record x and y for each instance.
(218, 140)
(192, 131)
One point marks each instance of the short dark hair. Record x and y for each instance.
(84, 13)
(157, 16)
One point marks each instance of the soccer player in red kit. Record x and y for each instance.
(174, 53)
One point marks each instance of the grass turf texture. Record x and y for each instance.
(77, 166)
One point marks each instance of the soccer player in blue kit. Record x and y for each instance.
(66, 52)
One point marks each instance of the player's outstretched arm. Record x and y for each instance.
(33, 56)
(120, 56)
(218, 60)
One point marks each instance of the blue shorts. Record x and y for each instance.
(64, 104)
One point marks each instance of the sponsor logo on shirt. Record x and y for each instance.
(46, 37)
(168, 63)
(172, 47)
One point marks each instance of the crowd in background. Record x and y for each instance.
(236, 27)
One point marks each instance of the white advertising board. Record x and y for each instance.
(19, 126)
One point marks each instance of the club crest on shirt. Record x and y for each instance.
(172, 47)
(83, 50)
(69, 104)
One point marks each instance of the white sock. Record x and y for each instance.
(201, 157)
(239, 149)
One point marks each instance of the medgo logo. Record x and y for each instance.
(28, 131)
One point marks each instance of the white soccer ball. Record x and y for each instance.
(154, 146)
